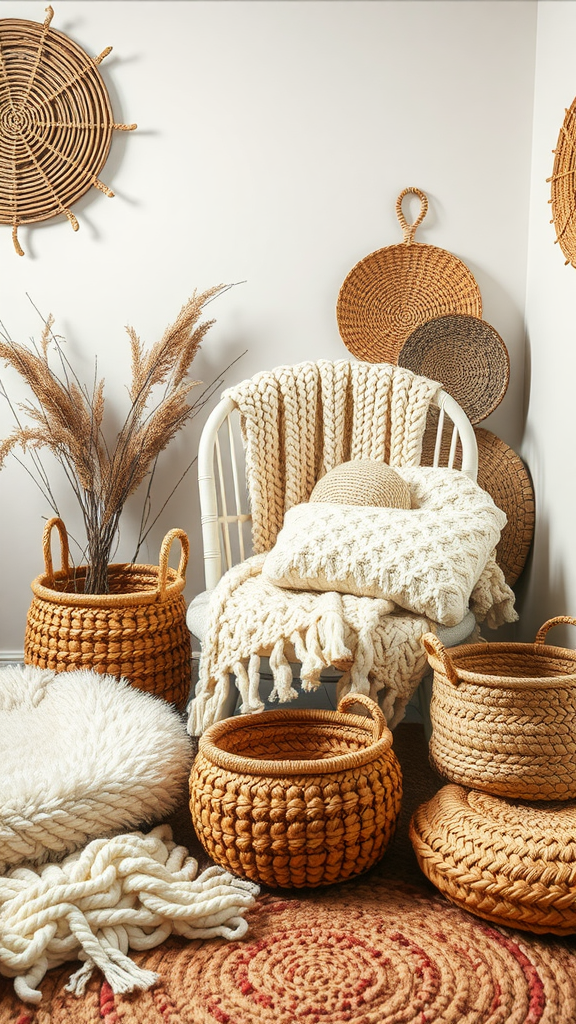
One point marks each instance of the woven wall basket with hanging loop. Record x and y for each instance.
(56, 123)
(466, 355)
(297, 798)
(137, 631)
(503, 716)
(393, 290)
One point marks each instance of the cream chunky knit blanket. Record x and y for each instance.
(297, 423)
(300, 421)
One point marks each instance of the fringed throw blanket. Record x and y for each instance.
(298, 423)
(380, 654)
(377, 648)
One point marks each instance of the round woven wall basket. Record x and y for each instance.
(393, 290)
(56, 123)
(297, 798)
(502, 473)
(466, 355)
(137, 631)
(510, 863)
(563, 187)
(503, 716)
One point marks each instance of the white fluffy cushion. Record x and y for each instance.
(82, 755)
(426, 559)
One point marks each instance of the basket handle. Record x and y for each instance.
(379, 725)
(47, 550)
(164, 556)
(541, 634)
(435, 648)
(409, 230)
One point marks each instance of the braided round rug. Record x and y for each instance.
(374, 953)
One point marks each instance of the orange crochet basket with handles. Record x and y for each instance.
(293, 798)
(137, 631)
(504, 716)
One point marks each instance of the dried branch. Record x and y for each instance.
(67, 418)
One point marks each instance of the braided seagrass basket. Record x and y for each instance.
(508, 862)
(504, 716)
(297, 798)
(137, 631)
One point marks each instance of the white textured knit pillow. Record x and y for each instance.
(426, 559)
(82, 755)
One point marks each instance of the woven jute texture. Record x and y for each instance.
(56, 123)
(137, 631)
(393, 290)
(563, 187)
(374, 951)
(503, 474)
(363, 482)
(297, 798)
(511, 863)
(503, 716)
(371, 953)
(466, 355)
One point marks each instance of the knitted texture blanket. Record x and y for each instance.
(298, 422)
(377, 649)
(129, 892)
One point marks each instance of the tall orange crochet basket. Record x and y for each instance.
(137, 631)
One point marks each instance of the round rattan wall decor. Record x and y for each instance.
(393, 290)
(466, 355)
(563, 187)
(56, 123)
(503, 474)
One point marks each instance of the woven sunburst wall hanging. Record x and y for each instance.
(563, 187)
(56, 123)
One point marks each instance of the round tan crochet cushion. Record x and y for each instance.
(363, 482)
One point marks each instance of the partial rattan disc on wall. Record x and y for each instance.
(393, 290)
(563, 187)
(56, 123)
(466, 355)
(502, 473)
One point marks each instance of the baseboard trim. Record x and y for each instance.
(11, 657)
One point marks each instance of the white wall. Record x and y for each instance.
(273, 140)
(548, 445)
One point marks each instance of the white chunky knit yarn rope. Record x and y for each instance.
(129, 892)
(300, 421)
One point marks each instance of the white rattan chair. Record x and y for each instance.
(226, 519)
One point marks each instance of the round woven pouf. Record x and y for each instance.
(513, 863)
(375, 953)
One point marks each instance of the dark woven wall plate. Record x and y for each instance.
(393, 290)
(502, 473)
(466, 355)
